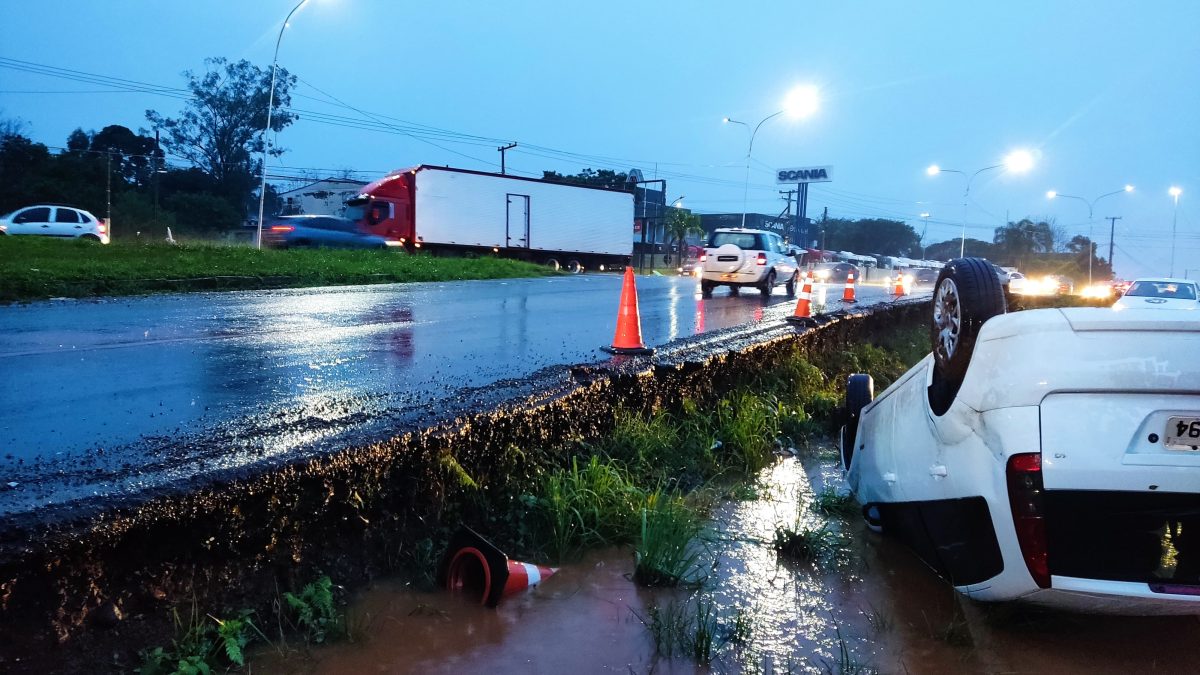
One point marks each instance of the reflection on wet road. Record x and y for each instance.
(137, 375)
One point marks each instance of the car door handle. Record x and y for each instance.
(938, 471)
(79, 227)
(45, 227)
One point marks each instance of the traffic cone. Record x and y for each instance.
(803, 313)
(848, 294)
(628, 339)
(475, 567)
(899, 290)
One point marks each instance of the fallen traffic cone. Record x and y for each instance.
(803, 313)
(628, 339)
(475, 567)
(848, 294)
(899, 290)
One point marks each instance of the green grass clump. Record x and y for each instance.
(586, 506)
(202, 644)
(43, 267)
(667, 551)
(831, 502)
(808, 544)
(688, 629)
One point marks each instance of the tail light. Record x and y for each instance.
(703, 257)
(101, 226)
(283, 228)
(1024, 475)
(762, 258)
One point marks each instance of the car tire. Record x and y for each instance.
(791, 285)
(706, 288)
(860, 391)
(966, 295)
(735, 290)
(574, 267)
(768, 284)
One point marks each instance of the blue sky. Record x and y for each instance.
(1104, 93)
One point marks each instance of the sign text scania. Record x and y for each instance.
(807, 174)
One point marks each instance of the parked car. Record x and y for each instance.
(835, 272)
(1050, 455)
(55, 220)
(740, 258)
(1160, 294)
(923, 277)
(319, 232)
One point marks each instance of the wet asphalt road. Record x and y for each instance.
(124, 380)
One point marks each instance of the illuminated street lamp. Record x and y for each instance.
(262, 192)
(1051, 194)
(1017, 161)
(800, 103)
(924, 229)
(1175, 191)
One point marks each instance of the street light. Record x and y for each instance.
(262, 189)
(1175, 191)
(1017, 161)
(924, 229)
(800, 102)
(1052, 194)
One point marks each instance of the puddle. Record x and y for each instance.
(875, 608)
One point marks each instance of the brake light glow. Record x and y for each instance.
(101, 226)
(762, 258)
(282, 228)
(703, 257)
(1024, 475)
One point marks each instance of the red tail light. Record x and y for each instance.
(101, 226)
(703, 257)
(282, 228)
(1025, 498)
(762, 258)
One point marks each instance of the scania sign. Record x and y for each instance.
(808, 174)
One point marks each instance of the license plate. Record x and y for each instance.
(727, 277)
(1183, 433)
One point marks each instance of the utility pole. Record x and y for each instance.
(154, 168)
(1112, 229)
(787, 194)
(108, 195)
(824, 218)
(503, 149)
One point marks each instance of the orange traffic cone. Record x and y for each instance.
(475, 567)
(848, 294)
(628, 339)
(899, 290)
(803, 313)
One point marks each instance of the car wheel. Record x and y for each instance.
(966, 295)
(574, 266)
(791, 285)
(706, 288)
(860, 390)
(768, 284)
(735, 290)
(552, 263)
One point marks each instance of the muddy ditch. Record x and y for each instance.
(86, 588)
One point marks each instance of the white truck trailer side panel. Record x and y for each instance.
(470, 209)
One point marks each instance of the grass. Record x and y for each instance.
(667, 553)
(808, 544)
(692, 629)
(202, 644)
(37, 267)
(589, 505)
(830, 502)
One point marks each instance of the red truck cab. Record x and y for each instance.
(385, 207)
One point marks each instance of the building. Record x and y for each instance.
(324, 197)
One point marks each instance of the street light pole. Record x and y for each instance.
(1016, 161)
(1174, 192)
(1091, 229)
(262, 190)
(749, 152)
(924, 229)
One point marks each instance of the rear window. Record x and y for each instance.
(1162, 289)
(62, 215)
(742, 240)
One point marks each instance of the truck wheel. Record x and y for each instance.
(552, 263)
(768, 284)
(966, 295)
(860, 390)
(706, 288)
(791, 285)
(574, 266)
(735, 290)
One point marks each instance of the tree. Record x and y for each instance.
(1018, 242)
(871, 235)
(133, 154)
(78, 141)
(949, 249)
(681, 223)
(605, 178)
(221, 128)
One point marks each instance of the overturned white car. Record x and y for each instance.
(1050, 455)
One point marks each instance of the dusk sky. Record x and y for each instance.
(1103, 93)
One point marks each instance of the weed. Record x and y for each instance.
(314, 612)
(955, 632)
(667, 553)
(748, 425)
(830, 502)
(595, 505)
(881, 621)
(808, 544)
(200, 643)
(847, 662)
(680, 630)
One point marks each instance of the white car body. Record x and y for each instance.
(749, 265)
(1093, 393)
(1162, 293)
(55, 221)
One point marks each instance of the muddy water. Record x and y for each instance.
(874, 601)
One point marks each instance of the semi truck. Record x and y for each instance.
(449, 211)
